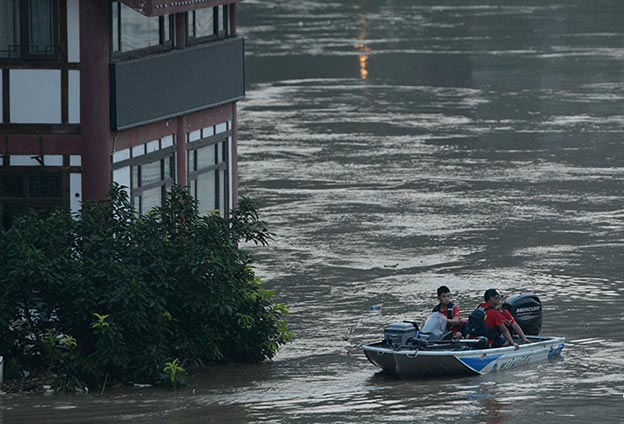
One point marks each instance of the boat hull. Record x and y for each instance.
(412, 363)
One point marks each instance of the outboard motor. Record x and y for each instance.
(399, 333)
(526, 308)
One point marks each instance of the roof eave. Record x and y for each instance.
(167, 7)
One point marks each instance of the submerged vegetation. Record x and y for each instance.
(118, 297)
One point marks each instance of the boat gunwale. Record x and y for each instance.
(541, 342)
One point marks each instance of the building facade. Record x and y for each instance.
(139, 92)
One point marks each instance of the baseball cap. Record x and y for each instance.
(491, 293)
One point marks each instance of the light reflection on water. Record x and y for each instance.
(482, 147)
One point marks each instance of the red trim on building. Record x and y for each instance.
(95, 99)
(29, 144)
(180, 127)
(193, 121)
(209, 117)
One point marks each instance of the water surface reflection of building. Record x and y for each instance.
(362, 47)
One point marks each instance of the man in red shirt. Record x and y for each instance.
(495, 320)
(449, 310)
(511, 323)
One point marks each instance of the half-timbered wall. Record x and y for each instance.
(44, 90)
(40, 154)
(60, 138)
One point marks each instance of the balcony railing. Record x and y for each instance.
(170, 84)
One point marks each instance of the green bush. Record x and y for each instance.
(114, 296)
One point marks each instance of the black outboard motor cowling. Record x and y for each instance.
(526, 308)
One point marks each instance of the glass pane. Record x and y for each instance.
(206, 193)
(221, 157)
(168, 171)
(150, 173)
(204, 22)
(45, 186)
(221, 19)
(11, 187)
(135, 177)
(222, 192)
(205, 157)
(9, 28)
(150, 199)
(193, 189)
(167, 28)
(190, 24)
(138, 31)
(42, 21)
(115, 13)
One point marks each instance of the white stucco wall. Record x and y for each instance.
(73, 86)
(35, 96)
(75, 191)
(73, 30)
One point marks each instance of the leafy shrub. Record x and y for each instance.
(174, 373)
(114, 295)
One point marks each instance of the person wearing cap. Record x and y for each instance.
(495, 321)
(450, 311)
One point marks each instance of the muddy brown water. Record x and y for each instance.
(394, 146)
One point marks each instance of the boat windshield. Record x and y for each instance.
(435, 324)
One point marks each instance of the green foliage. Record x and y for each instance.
(115, 294)
(174, 373)
(100, 326)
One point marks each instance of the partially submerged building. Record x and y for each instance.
(139, 92)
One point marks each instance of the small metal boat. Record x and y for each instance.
(408, 352)
(459, 358)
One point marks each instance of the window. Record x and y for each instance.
(133, 32)
(11, 187)
(209, 23)
(150, 181)
(222, 21)
(30, 189)
(208, 173)
(147, 170)
(29, 30)
(201, 23)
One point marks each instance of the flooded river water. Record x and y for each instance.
(398, 145)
